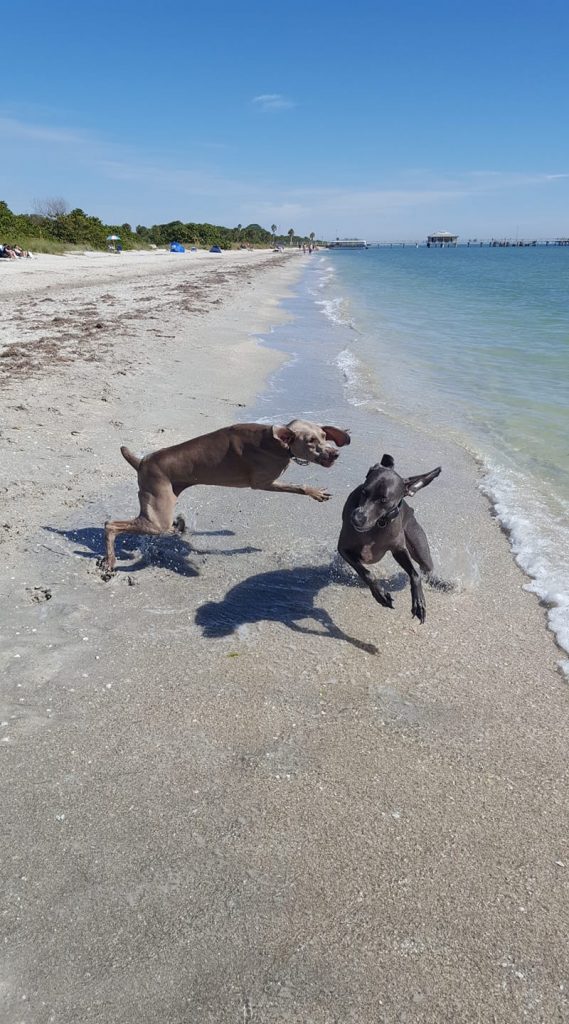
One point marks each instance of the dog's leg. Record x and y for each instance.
(418, 607)
(382, 596)
(417, 543)
(312, 492)
(155, 518)
(418, 547)
(114, 527)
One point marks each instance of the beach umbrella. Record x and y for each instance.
(113, 238)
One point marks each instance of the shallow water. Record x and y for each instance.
(469, 345)
(317, 383)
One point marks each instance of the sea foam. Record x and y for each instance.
(354, 379)
(336, 310)
(539, 540)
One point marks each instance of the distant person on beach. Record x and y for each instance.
(13, 252)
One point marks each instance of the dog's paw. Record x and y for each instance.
(318, 494)
(383, 597)
(179, 524)
(419, 611)
(106, 572)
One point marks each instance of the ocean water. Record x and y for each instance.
(471, 346)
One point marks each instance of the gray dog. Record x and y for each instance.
(376, 519)
(243, 455)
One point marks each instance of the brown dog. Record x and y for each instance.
(243, 455)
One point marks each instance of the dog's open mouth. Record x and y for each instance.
(327, 459)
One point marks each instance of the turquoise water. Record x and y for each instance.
(471, 344)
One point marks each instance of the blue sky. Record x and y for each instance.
(386, 120)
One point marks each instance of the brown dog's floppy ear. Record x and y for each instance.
(284, 436)
(339, 437)
(414, 483)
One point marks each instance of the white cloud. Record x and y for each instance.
(273, 101)
(10, 128)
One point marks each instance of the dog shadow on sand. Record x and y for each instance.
(287, 596)
(172, 552)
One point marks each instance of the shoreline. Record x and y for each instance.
(231, 779)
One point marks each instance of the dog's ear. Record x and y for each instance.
(414, 483)
(339, 437)
(284, 436)
(388, 461)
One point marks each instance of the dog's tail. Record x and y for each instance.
(130, 457)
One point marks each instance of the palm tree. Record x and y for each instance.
(290, 234)
(274, 230)
(239, 226)
(312, 236)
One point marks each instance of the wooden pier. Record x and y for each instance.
(471, 243)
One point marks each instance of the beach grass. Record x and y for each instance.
(53, 247)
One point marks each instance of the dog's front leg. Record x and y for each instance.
(312, 492)
(382, 596)
(418, 607)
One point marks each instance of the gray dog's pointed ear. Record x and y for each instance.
(414, 483)
(388, 461)
(339, 437)
(284, 436)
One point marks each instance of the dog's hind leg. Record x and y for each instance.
(418, 609)
(417, 543)
(418, 548)
(155, 518)
(114, 527)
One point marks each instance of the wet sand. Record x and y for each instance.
(233, 787)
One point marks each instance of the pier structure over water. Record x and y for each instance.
(470, 243)
(442, 239)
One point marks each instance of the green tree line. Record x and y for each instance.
(54, 223)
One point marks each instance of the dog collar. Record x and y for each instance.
(389, 516)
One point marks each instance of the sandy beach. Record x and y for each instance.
(233, 788)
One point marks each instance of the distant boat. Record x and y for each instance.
(348, 243)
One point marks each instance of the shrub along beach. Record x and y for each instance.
(55, 228)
